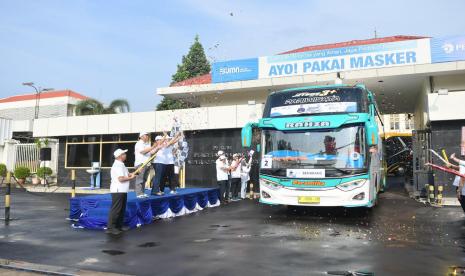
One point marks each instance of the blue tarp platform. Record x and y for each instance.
(91, 212)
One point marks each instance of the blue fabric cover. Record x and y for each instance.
(92, 211)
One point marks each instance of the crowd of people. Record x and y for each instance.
(163, 164)
(233, 175)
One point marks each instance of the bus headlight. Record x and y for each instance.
(351, 185)
(270, 184)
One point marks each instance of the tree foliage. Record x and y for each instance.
(94, 107)
(171, 104)
(194, 64)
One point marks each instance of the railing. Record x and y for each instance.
(27, 155)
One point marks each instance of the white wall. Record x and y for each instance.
(446, 107)
(450, 106)
(22, 125)
(218, 117)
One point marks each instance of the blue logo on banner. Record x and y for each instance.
(235, 70)
(447, 49)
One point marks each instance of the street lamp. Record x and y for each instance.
(38, 92)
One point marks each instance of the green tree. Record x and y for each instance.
(170, 104)
(94, 107)
(194, 64)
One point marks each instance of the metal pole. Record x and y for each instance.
(7, 197)
(36, 109)
(38, 104)
(73, 181)
(184, 176)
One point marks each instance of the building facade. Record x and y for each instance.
(419, 76)
(403, 123)
(48, 104)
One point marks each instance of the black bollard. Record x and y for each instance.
(73, 181)
(7, 197)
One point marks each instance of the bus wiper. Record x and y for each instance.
(343, 171)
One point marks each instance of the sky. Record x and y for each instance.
(127, 49)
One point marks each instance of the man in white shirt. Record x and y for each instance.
(222, 177)
(236, 169)
(119, 188)
(142, 152)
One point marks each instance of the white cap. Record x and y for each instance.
(220, 152)
(159, 137)
(118, 152)
(143, 133)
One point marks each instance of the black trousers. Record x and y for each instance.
(168, 177)
(235, 187)
(462, 202)
(224, 189)
(118, 208)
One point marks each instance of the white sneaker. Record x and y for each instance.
(142, 196)
(173, 192)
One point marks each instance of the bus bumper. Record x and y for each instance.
(330, 197)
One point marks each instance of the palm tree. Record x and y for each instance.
(117, 106)
(94, 107)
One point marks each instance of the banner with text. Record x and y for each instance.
(235, 70)
(348, 58)
(391, 54)
(444, 49)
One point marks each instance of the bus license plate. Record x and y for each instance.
(309, 199)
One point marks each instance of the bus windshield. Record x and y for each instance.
(342, 150)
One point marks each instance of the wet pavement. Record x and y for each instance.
(398, 237)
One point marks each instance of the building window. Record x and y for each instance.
(394, 121)
(409, 124)
(109, 148)
(82, 151)
(82, 155)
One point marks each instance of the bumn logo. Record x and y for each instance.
(448, 48)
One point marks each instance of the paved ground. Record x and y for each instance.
(398, 237)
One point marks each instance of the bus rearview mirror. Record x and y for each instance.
(246, 135)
